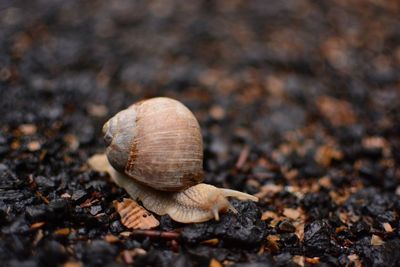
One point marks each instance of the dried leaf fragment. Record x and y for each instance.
(338, 112)
(314, 260)
(388, 228)
(273, 242)
(355, 259)
(211, 242)
(27, 129)
(111, 238)
(33, 146)
(63, 231)
(72, 264)
(135, 216)
(291, 213)
(269, 215)
(129, 255)
(214, 263)
(299, 260)
(37, 225)
(376, 240)
(269, 190)
(326, 154)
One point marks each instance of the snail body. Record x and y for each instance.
(155, 152)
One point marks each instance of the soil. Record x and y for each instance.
(298, 103)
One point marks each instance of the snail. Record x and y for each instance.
(155, 152)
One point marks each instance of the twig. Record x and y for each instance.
(157, 234)
(244, 154)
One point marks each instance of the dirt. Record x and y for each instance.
(298, 102)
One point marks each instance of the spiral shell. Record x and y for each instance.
(158, 143)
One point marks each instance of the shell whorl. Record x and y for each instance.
(119, 132)
(165, 150)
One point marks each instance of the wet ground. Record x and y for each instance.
(298, 103)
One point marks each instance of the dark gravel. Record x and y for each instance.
(298, 103)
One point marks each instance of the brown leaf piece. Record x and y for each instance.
(135, 216)
(338, 112)
(376, 240)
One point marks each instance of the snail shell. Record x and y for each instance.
(158, 143)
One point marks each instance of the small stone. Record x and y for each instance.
(44, 182)
(95, 209)
(317, 237)
(99, 253)
(79, 196)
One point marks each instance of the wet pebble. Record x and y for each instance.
(234, 229)
(317, 237)
(99, 253)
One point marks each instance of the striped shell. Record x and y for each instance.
(158, 143)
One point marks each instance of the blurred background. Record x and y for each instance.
(296, 88)
(250, 70)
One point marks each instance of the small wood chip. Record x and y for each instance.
(125, 234)
(340, 229)
(314, 260)
(73, 264)
(211, 242)
(299, 230)
(98, 162)
(72, 141)
(156, 234)
(353, 258)
(43, 198)
(388, 228)
(39, 236)
(15, 145)
(269, 215)
(373, 142)
(261, 250)
(376, 240)
(339, 199)
(65, 195)
(111, 238)
(244, 154)
(128, 259)
(326, 154)
(97, 110)
(299, 260)
(62, 231)
(217, 112)
(27, 129)
(338, 112)
(269, 190)
(33, 146)
(273, 242)
(135, 216)
(129, 255)
(397, 192)
(37, 225)
(325, 182)
(293, 214)
(215, 263)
